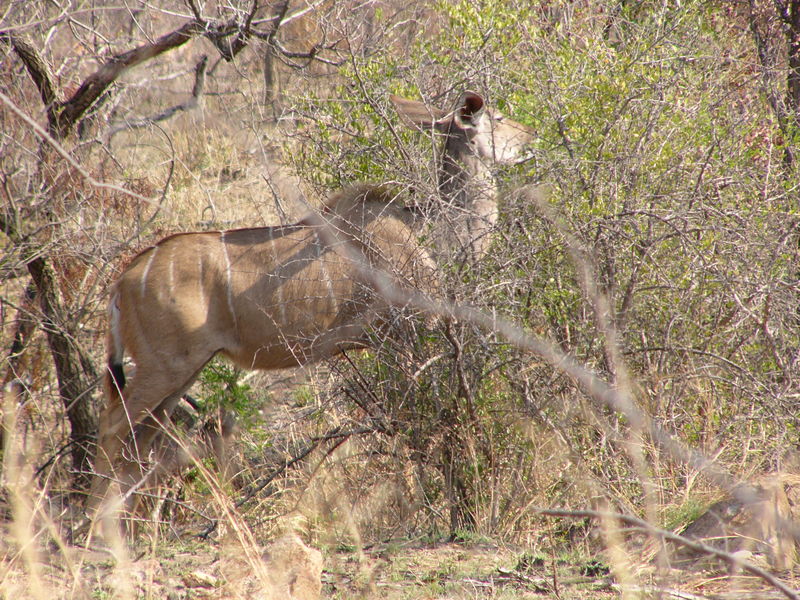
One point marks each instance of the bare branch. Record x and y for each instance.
(249, 20)
(191, 103)
(62, 116)
(91, 89)
(195, 10)
(280, 14)
(218, 34)
(36, 66)
(311, 55)
(276, 48)
(336, 434)
(42, 133)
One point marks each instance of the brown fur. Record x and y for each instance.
(275, 297)
(265, 298)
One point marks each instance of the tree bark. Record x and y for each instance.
(785, 105)
(72, 370)
(23, 331)
(75, 373)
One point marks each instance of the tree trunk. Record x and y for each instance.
(72, 370)
(458, 489)
(271, 81)
(24, 329)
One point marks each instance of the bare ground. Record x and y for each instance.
(400, 569)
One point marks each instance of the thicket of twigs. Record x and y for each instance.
(630, 345)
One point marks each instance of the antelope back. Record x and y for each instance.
(276, 296)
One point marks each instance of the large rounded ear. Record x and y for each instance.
(469, 111)
(418, 115)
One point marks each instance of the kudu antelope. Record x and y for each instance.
(275, 297)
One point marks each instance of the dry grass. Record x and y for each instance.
(343, 504)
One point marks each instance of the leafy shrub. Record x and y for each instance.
(662, 252)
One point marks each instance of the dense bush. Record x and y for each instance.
(651, 234)
(663, 257)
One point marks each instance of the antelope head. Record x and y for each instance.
(470, 129)
(475, 139)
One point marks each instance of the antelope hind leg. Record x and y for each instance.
(146, 403)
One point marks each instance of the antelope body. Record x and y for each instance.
(275, 297)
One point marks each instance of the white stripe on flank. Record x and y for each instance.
(228, 273)
(171, 272)
(147, 270)
(278, 286)
(281, 306)
(200, 289)
(326, 275)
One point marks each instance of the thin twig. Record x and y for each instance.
(45, 136)
(191, 103)
(334, 434)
